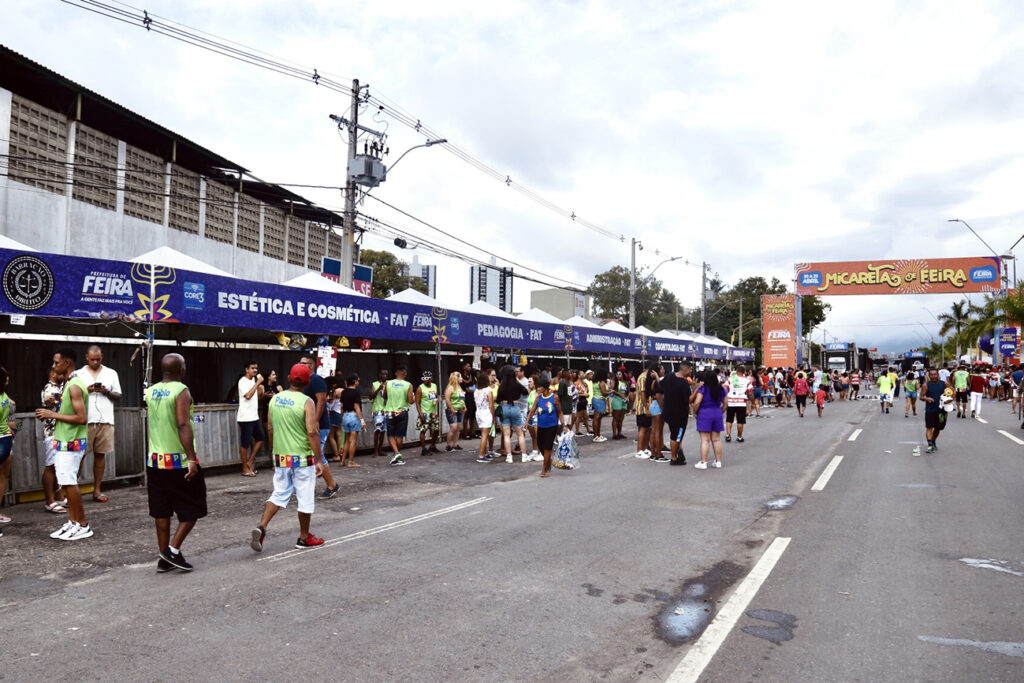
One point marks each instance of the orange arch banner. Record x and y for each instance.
(900, 276)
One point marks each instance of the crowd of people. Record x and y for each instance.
(302, 423)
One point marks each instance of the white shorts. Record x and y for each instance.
(298, 480)
(66, 464)
(51, 452)
(483, 419)
(886, 398)
(566, 420)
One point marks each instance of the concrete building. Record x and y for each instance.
(82, 175)
(491, 284)
(561, 303)
(424, 272)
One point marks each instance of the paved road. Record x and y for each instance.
(450, 570)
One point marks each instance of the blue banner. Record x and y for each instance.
(54, 285)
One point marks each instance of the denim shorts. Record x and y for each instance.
(335, 418)
(600, 406)
(6, 444)
(512, 416)
(454, 418)
(655, 409)
(350, 422)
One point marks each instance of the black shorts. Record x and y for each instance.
(737, 414)
(934, 420)
(643, 421)
(801, 400)
(249, 430)
(169, 494)
(546, 438)
(398, 424)
(962, 396)
(676, 429)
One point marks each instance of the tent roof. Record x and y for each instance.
(643, 330)
(538, 316)
(484, 308)
(7, 243)
(580, 321)
(317, 281)
(411, 296)
(618, 327)
(166, 256)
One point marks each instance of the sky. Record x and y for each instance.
(750, 135)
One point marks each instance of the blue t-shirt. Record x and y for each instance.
(934, 390)
(1017, 376)
(547, 413)
(317, 385)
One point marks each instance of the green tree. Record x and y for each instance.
(609, 293)
(958, 317)
(995, 312)
(387, 273)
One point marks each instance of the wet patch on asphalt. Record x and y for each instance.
(779, 633)
(686, 616)
(780, 502)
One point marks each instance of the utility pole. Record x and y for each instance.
(703, 294)
(632, 284)
(741, 321)
(349, 231)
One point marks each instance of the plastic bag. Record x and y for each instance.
(567, 452)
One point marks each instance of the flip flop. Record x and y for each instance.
(4, 519)
(55, 507)
(101, 498)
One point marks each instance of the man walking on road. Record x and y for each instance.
(398, 397)
(961, 384)
(316, 389)
(70, 440)
(174, 481)
(934, 414)
(104, 390)
(295, 436)
(250, 431)
(736, 403)
(885, 391)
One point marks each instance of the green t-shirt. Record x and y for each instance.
(592, 390)
(531, 399)
(288, 418)
(910, 385)
(67, 436)
(458, 399)
(960, 379)
(166, 451)
(595, 390)
(5, 414)
(378, 400)
(619, 403)
(398, 396)
(884, 384)
(428, 398)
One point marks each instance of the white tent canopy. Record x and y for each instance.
(7, 243)
(580, 321)
(538, 316)
(320, 283)
(165, 256)
(612, 325)
(411, 296)
(643, 330)
(484, 308)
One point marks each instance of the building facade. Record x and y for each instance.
(491, 284)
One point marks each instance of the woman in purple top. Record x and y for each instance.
(706, 403)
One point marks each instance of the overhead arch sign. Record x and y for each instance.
(899, 276)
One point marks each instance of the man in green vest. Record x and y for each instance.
(398, 397)
(174, 481)
(379, 420)
(428, 420)
(70, 440)
(294, 431)
(961, 380)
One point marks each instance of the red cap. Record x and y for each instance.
(299, 373)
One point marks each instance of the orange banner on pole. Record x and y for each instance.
(779, 313)
(900, 276)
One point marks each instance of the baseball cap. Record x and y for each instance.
(299, 373)
(427, 374)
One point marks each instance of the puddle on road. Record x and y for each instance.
(780, 502)
(780, 633)
(995, 647)
(685, 617)
(994, 565)
(925, 486)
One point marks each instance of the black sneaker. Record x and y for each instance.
(739, 439)
(660, 458)
(677, 461)
(425, 451)
(728, 438)
(330, 493)
(163, 565)
(258, 534)
(447, 449)
(433, 449)
(176, 560)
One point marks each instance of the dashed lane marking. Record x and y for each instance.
(288, 554)
(702, 652)
(827, 474)
(856, 433)
(984, 422)
(1011, 437)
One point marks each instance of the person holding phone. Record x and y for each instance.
(104, 390)
(250, 432)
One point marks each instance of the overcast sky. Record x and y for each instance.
(752, 135)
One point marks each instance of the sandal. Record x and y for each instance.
(55, 507)
(101, 498)
(4, 519)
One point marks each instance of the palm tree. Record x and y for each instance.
(957, 319)
(995, 312)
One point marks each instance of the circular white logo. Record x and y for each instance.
(28, 282)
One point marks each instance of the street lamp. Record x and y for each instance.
(428, 143)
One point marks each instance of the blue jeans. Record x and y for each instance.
(512, 416)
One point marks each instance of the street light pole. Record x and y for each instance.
(703, 294)
(632, 283)
(348, 239)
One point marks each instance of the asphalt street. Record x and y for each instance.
(902, 567)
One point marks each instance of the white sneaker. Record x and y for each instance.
(508, 459)
(717, 463)
(70, 531)
(701, 466)
(643, 455)
(526, 456)
(79, 533)
(537, 456)
(63, 530)
(599, 439)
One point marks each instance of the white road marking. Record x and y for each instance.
(627, 455)
(984, 422)
(827, 474)
(856, 433)
(288, 554)
(702, 652)
(1011, 437)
